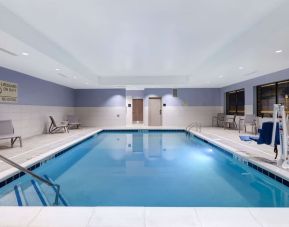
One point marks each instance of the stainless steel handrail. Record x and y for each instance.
(190, 126)
(49, 183)
(196, 124)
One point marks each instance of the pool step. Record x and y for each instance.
(40, 193)
(21, 200)
(62, 200)
(32, 193)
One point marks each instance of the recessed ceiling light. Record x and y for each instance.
(57, 69)
(278, 51)
(221, 76)
(25, 53)
(241, 67)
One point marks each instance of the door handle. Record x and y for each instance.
(160, 112)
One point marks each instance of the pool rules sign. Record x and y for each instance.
(8, 92)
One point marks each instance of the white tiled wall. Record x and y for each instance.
(31, 120)
(101, 116)
(181, 116)
(184, 115)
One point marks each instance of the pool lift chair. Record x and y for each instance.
(274, 134)
(279, 117)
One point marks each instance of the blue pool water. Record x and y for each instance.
(160, 168)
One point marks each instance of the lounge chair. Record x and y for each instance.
(7, 132)
(250, 120)
(73, 121)
(230, 122)
(63, 126)
(219, 119)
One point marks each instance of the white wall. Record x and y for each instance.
(184, 115)
(101, 116)
(31, 120)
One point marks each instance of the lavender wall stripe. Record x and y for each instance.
(186, 96)
(100, 97)
(135, 93)
(33, 91)
(250, 84)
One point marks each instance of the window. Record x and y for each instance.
(269, 94)
(235, 102)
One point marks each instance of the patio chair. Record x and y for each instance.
(73, 121)
(230, 121)
(63, 126)
(219, 119)
(250, 120)
(7, 132)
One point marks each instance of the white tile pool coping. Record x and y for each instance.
(143, 217)
(140, 216)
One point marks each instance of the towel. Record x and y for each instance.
(245, 138)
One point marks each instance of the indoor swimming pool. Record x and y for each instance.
(148, 168)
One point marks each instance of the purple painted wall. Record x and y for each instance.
(33, 91)
(99, 97)
(250, 85)
(187, 96)
(135, 93)
(116, 97)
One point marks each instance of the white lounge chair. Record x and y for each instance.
(63, 126)
(7, 132)
(73, 121)
(250, 120)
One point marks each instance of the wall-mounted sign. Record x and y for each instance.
(8, 92)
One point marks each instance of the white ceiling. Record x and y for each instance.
(145, 43)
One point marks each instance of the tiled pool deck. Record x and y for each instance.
(39, 147)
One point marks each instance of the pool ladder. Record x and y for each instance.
(197, 125)
(47, 181)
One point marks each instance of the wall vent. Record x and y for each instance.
(7, 52)
(175, 92)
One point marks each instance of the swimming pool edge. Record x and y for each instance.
(9, 175)
(282, 176)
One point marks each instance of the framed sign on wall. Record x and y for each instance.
(8, 92)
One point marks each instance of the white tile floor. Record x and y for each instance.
(143, 217)
(43, 145)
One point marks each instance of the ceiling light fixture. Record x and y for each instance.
(25, 53)
(57, 69)
(221, 76)
(278, 51)
(241, 67)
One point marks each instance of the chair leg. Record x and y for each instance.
(50, 130)
(20, 140)
(13, 140)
